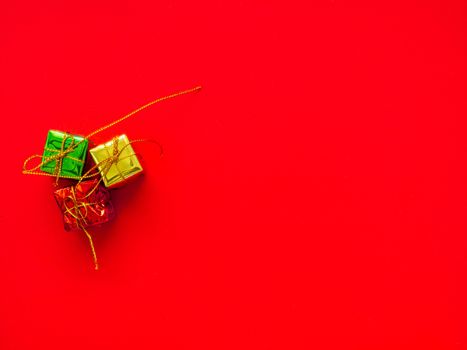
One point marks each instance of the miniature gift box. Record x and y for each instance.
(85, 204)
(72, 163)
(116, 161)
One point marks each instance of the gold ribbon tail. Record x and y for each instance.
(64, 151)
(147, 105)
(94, 256)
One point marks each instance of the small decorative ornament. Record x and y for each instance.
(64, 154)
(116, 161)
(87, 202)
(84, 205)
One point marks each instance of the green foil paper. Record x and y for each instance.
(53, 145)
(126, 167)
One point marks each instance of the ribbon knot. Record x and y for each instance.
(112, 159)
(62, 154)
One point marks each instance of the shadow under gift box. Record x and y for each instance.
(73, 161)
(85, 204)
(125, 167)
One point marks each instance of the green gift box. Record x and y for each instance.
(74, 147)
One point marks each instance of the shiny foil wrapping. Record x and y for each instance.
(84, 205)
(127, 166)
(73, 162)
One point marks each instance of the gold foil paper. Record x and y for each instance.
(124, 168)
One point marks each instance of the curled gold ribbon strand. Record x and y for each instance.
(160, 99)
(113, 158)
(93, 250)
(64, 152)
(80, 217)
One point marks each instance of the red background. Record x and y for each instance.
(312, 196)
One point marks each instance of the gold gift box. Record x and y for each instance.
(125, 167)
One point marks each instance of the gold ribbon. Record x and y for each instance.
(113, 158)
(62, 153)
(58, 158)
(79, 208)
(76, 210)
(79, 211)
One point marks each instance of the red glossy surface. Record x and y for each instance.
(85, 204)
(312, 196)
